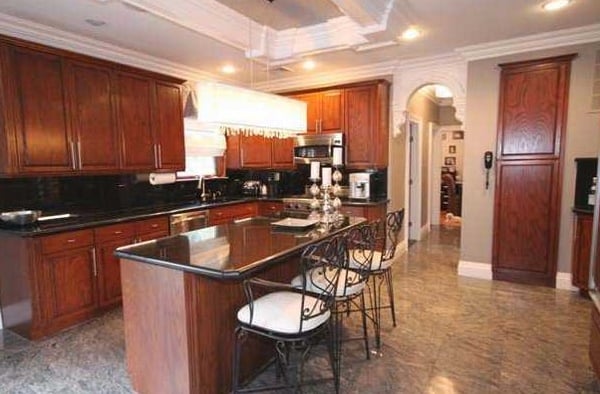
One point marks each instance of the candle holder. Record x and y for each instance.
(314, 204)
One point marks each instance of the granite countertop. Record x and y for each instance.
(86, 219)
(231, 251)
(588, 209)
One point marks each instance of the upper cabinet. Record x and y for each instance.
(66, 114)
(324, 110)
(361, 112)
(94, 128)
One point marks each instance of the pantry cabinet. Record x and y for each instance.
(67, 114)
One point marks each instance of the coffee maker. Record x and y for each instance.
(273, 185)
(360, 185)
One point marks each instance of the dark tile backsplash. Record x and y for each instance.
(91, 193)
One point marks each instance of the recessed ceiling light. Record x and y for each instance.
(554, 5)
(95, 22)
(308, 64)
(410, 34)
(228, 69)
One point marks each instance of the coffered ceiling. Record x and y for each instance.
(269, 40)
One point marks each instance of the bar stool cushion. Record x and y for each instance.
(281, 312)
(349, 282)
(376, 263)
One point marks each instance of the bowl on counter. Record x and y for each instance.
(21, 217)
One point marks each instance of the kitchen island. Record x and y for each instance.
(181, 295)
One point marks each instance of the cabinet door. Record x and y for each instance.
(109, 271)
(282, 150)
(169, 127)
(313, 110)
(93, 119)
(233, 152)
(359, 125)
(43, 132)
(582, 244)
(135, 122)
(332, 116)
(270, 208)
(255, 152)
(71, 292)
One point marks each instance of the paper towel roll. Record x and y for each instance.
(161, 179)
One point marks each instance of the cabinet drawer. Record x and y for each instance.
(349, 210)
(232, 212)
(66, 241)
(114, 232)
(155, 225)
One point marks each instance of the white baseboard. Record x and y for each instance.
(473, 269)
(563, 281)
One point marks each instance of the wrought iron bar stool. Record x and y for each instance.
(351, 285)
(295, 318)
(386, 240)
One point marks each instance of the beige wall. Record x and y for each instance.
(421, 107)
(582, 139)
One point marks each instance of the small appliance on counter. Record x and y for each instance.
(369, 185)
(273, 186)
(360, 183)
(251, 188)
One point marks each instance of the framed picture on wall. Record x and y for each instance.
(450, 161)
(452, 149)
(458, 135)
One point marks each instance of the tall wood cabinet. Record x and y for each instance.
(68, 114)
(531, 129)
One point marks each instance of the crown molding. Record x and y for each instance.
(42, 34)
(428, 62)
(352, 74)
(534, 42)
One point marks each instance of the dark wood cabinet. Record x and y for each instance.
(230, 213)
(270, 208)
(66, 279)
(324, 110)
(134, 106)
(581, 252)
(255, 152)
(282, 153)
(531, 128)
(109, 238)
(95, 135)
(169, 126)
(40, 124)
(361, 112)
(64, 113)
(370, 212)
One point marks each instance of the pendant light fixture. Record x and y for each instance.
(234, 110)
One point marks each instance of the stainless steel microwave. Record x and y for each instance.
(318, 147)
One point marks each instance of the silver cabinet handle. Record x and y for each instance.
(73, 161)
(159, 155)
(316, 125)
(320, 125)
(94, 265)
(155, 156)
(79, 154)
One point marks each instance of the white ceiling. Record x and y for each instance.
(203, 35)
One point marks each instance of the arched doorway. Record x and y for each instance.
(433, 168)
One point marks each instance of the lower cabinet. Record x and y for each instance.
(581, 253)
(270, 208)
(52, 282)
(229, 213)
(370, 212)
(67, 279)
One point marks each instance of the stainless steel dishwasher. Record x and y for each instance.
(188, 221)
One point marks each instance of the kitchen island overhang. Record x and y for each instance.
(181, 295)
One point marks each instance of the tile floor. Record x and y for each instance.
(454, 335)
